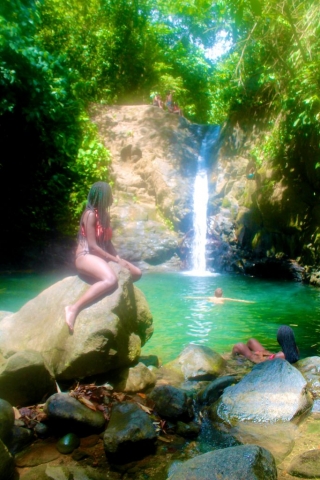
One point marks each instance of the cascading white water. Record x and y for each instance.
(200, 203)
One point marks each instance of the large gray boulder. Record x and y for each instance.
(273, 391)
(108, 335)
(246, 462)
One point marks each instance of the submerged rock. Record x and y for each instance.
(63, 472)
(130, 434)
(246, 462)
(306, 465)
(273, 391)
(267, 435)
(108, 335)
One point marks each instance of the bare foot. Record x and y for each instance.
(70, 318)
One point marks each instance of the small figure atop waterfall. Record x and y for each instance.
(95, 250)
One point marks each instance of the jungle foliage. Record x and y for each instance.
(58, 56)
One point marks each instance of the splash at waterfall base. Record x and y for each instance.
(253, 217)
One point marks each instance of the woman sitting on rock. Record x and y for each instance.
(254, 351)
(95, 250)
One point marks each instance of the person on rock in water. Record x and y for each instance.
(254, 351)
(95, 250)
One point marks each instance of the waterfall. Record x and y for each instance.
(200, 201)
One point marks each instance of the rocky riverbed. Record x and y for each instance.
(89, 406)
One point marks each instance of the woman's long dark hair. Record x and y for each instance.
(99, 200)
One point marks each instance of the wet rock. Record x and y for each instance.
(272, 391)
(248, 462)
(214, 390)
(68, 443)
(134, 379)
(310, 369)
(108, 335)
(130, 434)
(172, 403)
(6, 420)
(68, 413)
(306, 465)
(25, 379)
(198, 363)
(20, 438)
(6, 463)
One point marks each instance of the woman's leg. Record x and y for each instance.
(256, 346)
(107, 281)
(243, 349)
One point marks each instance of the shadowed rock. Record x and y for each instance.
(130, 434)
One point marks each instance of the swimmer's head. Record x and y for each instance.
(218, 292)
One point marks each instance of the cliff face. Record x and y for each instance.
(271, 205)
(154, 156)
(262, 217)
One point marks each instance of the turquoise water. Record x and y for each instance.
(179, 320)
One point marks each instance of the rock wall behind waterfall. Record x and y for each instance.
(263, 217)
(154, 158)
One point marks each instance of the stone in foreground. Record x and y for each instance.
(273, 391)
(246, 462)
(68, 413)
(130, 434)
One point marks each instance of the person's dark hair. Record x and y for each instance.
(99, 200)
(286, 340)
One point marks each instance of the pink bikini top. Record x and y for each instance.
(102, 233)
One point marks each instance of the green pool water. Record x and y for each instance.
(179, 320)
